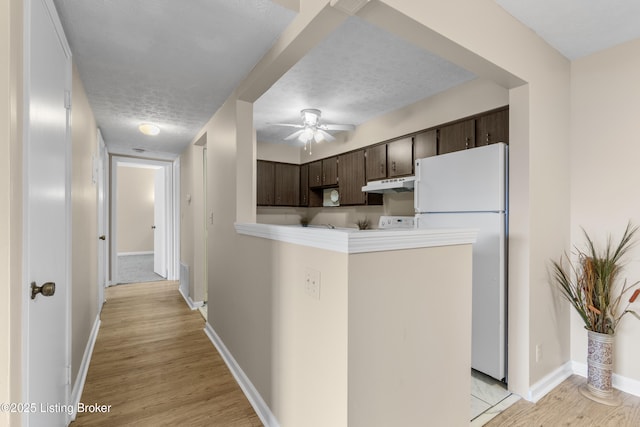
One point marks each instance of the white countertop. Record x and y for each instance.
(353, 241)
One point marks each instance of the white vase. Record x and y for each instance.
(600, 370)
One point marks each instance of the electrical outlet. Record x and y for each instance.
(538, 352)
(312, 283)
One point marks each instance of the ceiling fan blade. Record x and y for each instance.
(294, 135)
(286, 124)
(337, 127)
(325, 136)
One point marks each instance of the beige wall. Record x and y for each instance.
(410, 340)
(11, 206)
(192, 219)
(605, 148)
(540, 214)
(84, 199)
(135, 195)
(544, 179)
(5, 206)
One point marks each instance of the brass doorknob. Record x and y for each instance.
(103, 237)
(47, 289)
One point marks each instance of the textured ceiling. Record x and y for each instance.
(577, 28)
(171, 63)
(174, 63)
(355, 74)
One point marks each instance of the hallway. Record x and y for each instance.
(154, 365)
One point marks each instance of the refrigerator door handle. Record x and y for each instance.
(416, 187)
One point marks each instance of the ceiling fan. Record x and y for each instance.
(312, 130)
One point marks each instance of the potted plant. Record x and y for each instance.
(363, 224)
(593, 287)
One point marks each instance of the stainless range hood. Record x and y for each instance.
(391, 185)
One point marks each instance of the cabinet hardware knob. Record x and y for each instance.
(488, 137)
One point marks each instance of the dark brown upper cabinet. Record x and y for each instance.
(265, 185)
(425, 144)
(492, 128)
(400, 157)
(351, 170)
(287, 184)
(456, 137)
(323, 173)
(376, 162)
(304, 185)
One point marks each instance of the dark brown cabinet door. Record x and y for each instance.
(330, 171)
(315, 174)
(400, 157)
(376, 162)
(492, 128)
(425, 144)
(351, 173)
(456, 137)
(265, 183)
(287, 184)
(304, 185)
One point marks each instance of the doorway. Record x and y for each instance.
(142, 226)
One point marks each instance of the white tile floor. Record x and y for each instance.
(488, 398)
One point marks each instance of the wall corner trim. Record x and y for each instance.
(255, 399)
(78, 385)
(193, 305)
(549, 382)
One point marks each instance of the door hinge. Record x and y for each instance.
(68, 374)
(67, 99)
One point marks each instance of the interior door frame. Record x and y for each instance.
(101, 169)
(26, 134)
(172, 181)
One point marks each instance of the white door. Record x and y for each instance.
(101, 181)
(159, 224)
(47, 213)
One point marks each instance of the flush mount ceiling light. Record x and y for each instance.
(149, 129)
(312, 130)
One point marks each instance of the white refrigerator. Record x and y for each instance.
(468, 189)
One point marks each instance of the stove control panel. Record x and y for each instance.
(387, 222)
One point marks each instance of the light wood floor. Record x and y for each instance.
(155, 366)
(565, 406)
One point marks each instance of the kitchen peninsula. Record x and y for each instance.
(373, 327)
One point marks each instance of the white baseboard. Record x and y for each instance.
(193, 305)
(549, 382)
(78, 385)
(628, 385)
(135, 253)
(255, 399)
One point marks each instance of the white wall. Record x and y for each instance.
(135, 198)
(605, 148)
